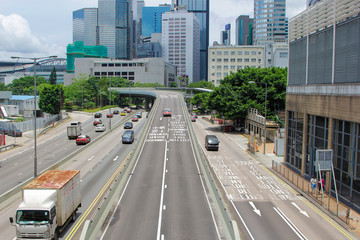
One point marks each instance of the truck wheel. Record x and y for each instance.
(73, 217)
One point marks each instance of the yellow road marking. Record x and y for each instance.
(86, 213)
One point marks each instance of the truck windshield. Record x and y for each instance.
(32, 217)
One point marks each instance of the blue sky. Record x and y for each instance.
(37, 28)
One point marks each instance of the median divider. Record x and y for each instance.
(15, 193)
(230, 228)
(108, 202)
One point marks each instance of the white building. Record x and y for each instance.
(226, 59)
(181, 42)
(143, 70)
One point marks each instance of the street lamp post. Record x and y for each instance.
(34, 59)
(265, 113)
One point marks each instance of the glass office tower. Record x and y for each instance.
(115, 27)
(243, 35)
(270, 23)
(201, 10)
(151, 19)
(84, 25)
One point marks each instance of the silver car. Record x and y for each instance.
(100, 128)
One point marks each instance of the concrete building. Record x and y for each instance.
(323, 95)
(270, 23)
(146, 70)
(226, 59)
(85, 22)
(201, 9)
(243, 31)
(181, 43)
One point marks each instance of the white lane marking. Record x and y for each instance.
(300, 210)
(162, 195)
(289, 223)
(91, 158)
(20, 174)
(242, 220)
(115, 158)
(257, 211)
(164, 207)
(162, 237)
(165, 186)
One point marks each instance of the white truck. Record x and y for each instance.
(74, 130)
(49, 202)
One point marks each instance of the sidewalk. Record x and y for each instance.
(340, 213)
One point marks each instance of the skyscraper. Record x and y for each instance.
(140, 5)
(181, 43)
(115, 27)
(270, 22)
(201, 10)
(151, 19)
(243, 34)
(84, 25)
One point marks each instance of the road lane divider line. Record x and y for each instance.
(89, 159)
(95, 201)
(158, 236)
(290, 224)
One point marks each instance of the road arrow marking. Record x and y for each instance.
(257, 211)
(300, 210)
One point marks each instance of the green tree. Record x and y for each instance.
(236, 95)
(3, 87)
(50, 98)
(200, 99)
(53, 77)
(173, 84)
(25, 85)
(201, 84)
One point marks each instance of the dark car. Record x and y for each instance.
(14, 133)
(116, 111)
(97, 121)
(212, 142)
(83, 139)
(98, 115)
(128, 136)
(128, 125)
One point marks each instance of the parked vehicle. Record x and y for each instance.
(135, 119)
(128, 125)
(83, 139)
(14, 133)
(98, 115)
(97, 121)
(100, 128)
(49, 202)
(116, 111)
(128, 136)
(73, 131)
(167, 112)
(212, 142)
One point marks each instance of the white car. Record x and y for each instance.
(100, 128)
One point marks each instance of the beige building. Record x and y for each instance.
(226, 59)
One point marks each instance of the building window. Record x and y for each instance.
(226, 60)
(246, 52)
(218, 67)
(226, 67)
(295, 139)
(233, 52)
(239, 52)
(226, 52)
(253, 52)
(232, 67)
(218, 74)
(239, 59)
(218, 53)
(284, 55)
(219, 60)
(104, 64)
(239, 67)
(253, 60)
(232, 60)
(111, 64)
(246, 60)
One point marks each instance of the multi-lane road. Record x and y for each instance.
(165, 196)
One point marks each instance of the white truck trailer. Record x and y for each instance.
(74, 130)
(49, 202)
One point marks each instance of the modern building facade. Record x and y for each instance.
(181, 43)
(226, 59)
(225, 36)
(201, 10)
(323, 95)
(115, 28)
(151, 19)
(146, 70)
(139, 4)
(244, 29)
(85, 23)
(270, 22)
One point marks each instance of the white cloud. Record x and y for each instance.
(18, 40)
